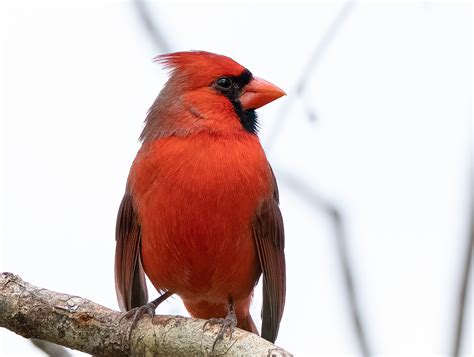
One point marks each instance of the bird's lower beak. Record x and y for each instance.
(258, 93)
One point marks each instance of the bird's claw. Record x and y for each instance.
(227, 324)
(148, 309)
(136, 313)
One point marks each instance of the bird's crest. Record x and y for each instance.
(200, 63)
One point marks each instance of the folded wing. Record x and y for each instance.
(270, 241)
(130, 284)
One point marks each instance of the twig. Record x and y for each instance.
(310, 194)
(151, 27)
(466, 271)
(51, 349)
(323, 45)
(83, 325)
(307, 71)
(316, 201)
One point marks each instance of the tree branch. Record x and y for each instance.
(81, 324)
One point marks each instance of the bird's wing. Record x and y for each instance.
(130, 284)
(270, 242)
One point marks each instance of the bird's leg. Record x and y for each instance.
(227, 324)
(136, 313)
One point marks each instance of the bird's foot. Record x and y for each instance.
(136, 313)
(227, 324)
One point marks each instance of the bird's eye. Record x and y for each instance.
(224, 83)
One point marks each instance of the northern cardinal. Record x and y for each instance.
(200, 213)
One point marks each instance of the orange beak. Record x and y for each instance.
(258, 93)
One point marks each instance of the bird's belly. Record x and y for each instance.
(196, 224)
(205, 260)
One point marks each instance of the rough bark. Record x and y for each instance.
(83, 325)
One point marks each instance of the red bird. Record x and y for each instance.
(200, 213)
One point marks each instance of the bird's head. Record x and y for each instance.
(207, 92)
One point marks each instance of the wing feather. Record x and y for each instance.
(270, 241)
(130, 284)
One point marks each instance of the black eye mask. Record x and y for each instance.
(231, 87)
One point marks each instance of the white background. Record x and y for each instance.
(393, 97)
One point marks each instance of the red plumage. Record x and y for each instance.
(200, 214)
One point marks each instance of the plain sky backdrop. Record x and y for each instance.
(392, 93)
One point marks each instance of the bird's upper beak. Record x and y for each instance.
(259, 92)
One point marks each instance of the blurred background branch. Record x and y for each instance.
(50, 349)
(309, 194)
(151, 27)
(317, 202)
(465, 273)
(306, 73)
